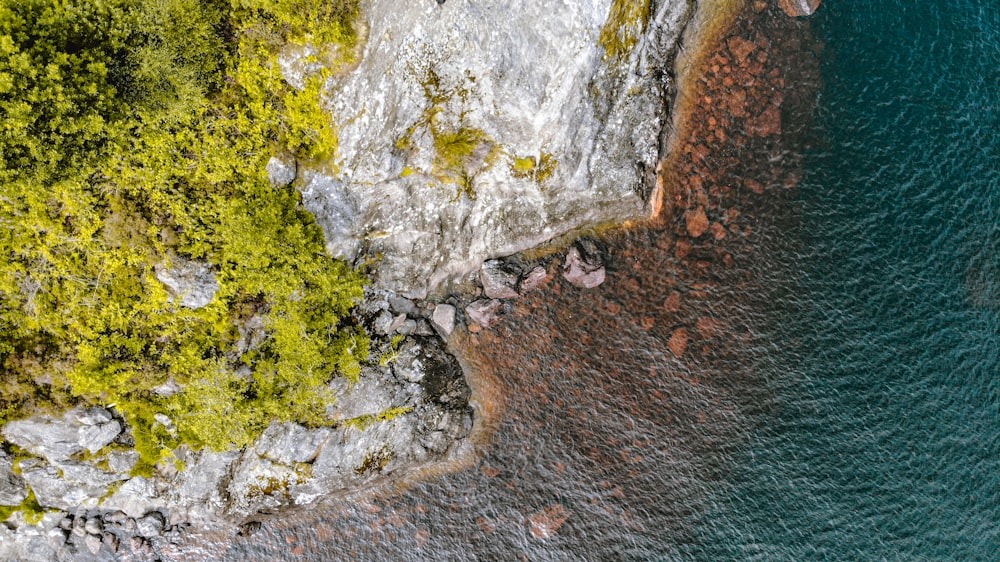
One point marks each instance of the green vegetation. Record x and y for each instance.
(460, 151)
(626, 22)
(29, 508)
(136, 133)
(539, 169)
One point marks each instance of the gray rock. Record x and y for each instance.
(375, 392)
(203, 482)
(288, 443)
(93, 544)
(93, 526)
(403, 305)
(499, 279)
(70, 486)
(57, 439)
(134, 498)
(444, 318)
(122, 461)
(280, 172)
(485, 312)
(336, 211)
(151, 524)
(191, 284)
(12, 487)
(585, 270)
(554, 92)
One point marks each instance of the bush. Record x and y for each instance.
(134, 133)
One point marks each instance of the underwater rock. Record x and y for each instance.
(796, 8)
(696, 222)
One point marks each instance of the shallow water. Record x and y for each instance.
(837, 397)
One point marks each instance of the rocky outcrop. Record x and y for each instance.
(408, 410)
(471, 130)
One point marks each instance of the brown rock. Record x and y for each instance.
(678, 342)
(706, 326)
(740, 48)
(718, 231)
(697, 222)
(797, 8)
(754, 186)
(682, 249)
(673, 302)
(767, 123)
(545, 523)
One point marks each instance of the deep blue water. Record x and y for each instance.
(882, 437)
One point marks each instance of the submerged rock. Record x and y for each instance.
(499, 279)
(796, 8)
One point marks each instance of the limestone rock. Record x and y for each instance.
(135, 497)
(289, 443)
(56, 439)
(280, 172)
(191, 284)
(536, 83)
(68, 486)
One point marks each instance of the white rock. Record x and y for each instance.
(444, 318)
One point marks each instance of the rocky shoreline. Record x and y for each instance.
(414, 409)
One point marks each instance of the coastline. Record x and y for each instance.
(609, 409)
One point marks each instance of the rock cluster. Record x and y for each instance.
(503, 280)
(408, 410)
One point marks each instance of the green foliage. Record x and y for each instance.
(136, 133)
(626, 22)
(538, 169)
(29, 508)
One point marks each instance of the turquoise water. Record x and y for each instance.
(882, 437)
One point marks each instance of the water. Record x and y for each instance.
(887, 445)
(837, 397)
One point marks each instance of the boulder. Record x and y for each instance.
(12, 488)
(57, 439)
(69, 486)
